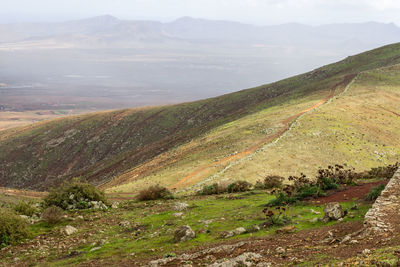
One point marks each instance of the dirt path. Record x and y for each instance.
(186, 181)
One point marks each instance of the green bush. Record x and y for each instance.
(52, 215)
(25, 208)
(13, 229)
(375, 192)
(76, 193)
(328, 184)
(282, 199)
(239, 186)
(154, 192)
(306, 192)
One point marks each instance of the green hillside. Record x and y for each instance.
(166, 144)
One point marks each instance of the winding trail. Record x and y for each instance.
(187, 180)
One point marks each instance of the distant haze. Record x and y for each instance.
(106, 62)
(250, 11)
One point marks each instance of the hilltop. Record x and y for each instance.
(186, 144)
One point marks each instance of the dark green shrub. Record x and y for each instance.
(209, 190)
(154, 192)
(239, 186)
(273, 181)
(52, 215)
(282, 199)
(306, 192)
(13, 229)
(386, 172)
(328, 184)
(375, 192)
(259, 185)
(75, 194)
(25, 208)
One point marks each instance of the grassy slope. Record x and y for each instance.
(104, 145)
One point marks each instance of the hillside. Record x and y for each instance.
(173, 144)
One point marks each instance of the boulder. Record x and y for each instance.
(184, 233)
(69, 230)
(333, 211)
(239, 231)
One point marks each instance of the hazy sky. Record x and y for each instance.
(251, 11)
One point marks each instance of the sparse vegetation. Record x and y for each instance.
(154, 192)
(13, 228)
(52, 215)
(273, 181)
(239, 186)
(375, 192)
(25, 208)
(74, 195)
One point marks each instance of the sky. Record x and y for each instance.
(260, 12)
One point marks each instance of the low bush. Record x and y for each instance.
(52, 215)
(25, 208)
(13, 229)
(276, 216)
(273, 181)
(239, 186)
(385, 172)
(209, 190)
(74, 195)
(328, 184)
(375, 192)
(282, 199)
(154, 192)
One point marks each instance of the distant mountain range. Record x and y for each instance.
(110, 31)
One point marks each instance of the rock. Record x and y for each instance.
(366, 251)
(69, 230)
(286, 230)
(315, 212)
(184, 233)
(95, 248)
(333, 211)
(353, 241)
(97, 205)
(178, 214)
(314, 220)
(239, 231)
(115, 205)
(24, 217)
(226, 234)
(346, 239)
(124, 224)
(280, 250)
(80, 217)
(245, 259)
(180, 206)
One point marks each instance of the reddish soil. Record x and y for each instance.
(348, 193)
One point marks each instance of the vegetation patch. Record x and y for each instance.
(375, 192)
(154, 192)
(74, 195)
(13, 229)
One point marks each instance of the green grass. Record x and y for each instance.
(226, 214)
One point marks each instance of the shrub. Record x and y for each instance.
(383, 172)
(52, 215)
(209, 190)
(259, 185)
(375, 192)
(154, 192)
(13, 229)
(327, 184)
(282, 199)
(306, 192)
(75, 194)
(239, 186)
(273, 181)
(275, 216)
(25, 208)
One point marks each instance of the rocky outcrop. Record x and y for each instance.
(333, 211)
(384, 216)
(184, 233)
